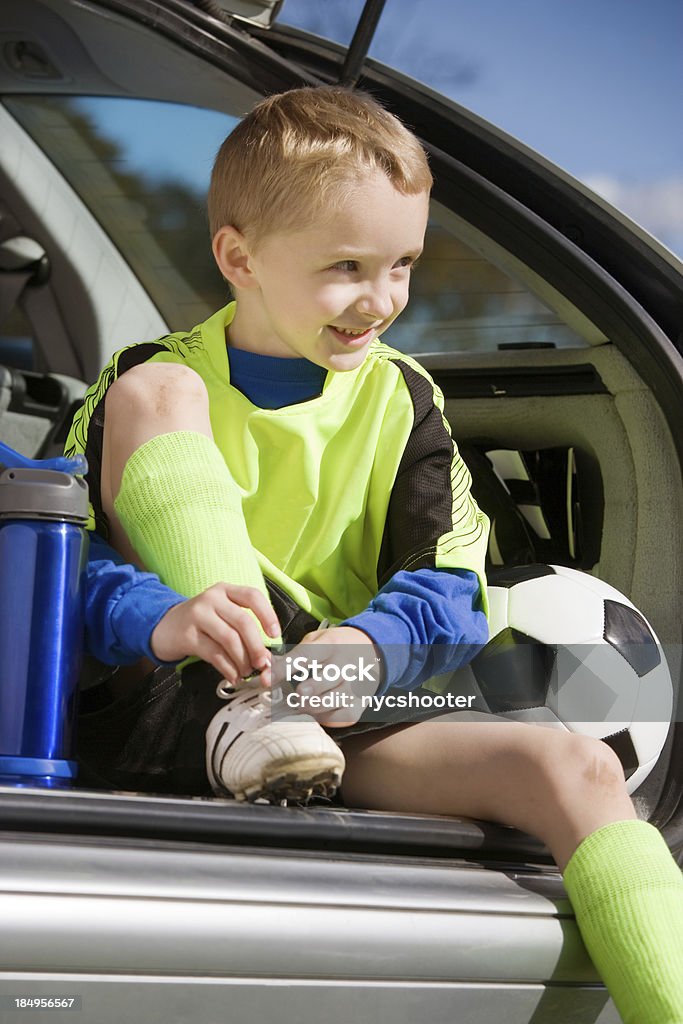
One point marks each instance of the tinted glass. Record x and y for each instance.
(142, 168)
(463, 301)
(123, 158)
(16, 342)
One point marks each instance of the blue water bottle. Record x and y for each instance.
(43, 555)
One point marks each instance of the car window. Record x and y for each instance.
(464, 298)
(142, 168)
(16, 341)
(125, 160)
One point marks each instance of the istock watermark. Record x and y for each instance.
(340, 683)
(414, 700)
(611, 686)
(300, 669)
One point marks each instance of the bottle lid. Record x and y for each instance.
(43, 494)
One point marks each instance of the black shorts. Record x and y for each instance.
(152, 740)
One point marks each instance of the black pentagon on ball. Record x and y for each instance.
(514, 671)
(511, 575)
(622, 745)
(628, 632)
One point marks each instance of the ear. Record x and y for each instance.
(231, 253)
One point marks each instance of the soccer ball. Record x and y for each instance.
(569, 651)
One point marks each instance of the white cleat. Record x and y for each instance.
(251, 757)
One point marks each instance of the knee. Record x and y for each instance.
(580, 767)
(600, 766)
(156, 389)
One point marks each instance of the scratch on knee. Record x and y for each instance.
(597, 771)
(162, 406)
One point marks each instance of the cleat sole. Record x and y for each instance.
(292, 787)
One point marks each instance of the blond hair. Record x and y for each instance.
(301, 153)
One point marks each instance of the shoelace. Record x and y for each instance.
(225, 688)
(247, 692)
(244, 694)
(259, 700)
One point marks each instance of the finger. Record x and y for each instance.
(336, 718)
(340, 719)
(231, 626)
(337, 684)
(209, 624)
(265, 678)
(230, 639)
(256, 654)
(329, 673)
(278, 670)
(250, 597)
(312, 637)
(208, 650)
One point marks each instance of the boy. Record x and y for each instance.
(280, 457)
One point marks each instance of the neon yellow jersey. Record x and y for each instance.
(339, 492)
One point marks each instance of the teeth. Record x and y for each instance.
(351, 334)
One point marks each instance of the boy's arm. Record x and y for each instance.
(421, 624)
(424, 623)
(431, 562)
(130, 613)
(432, 520)
(429, 616)
(122, 607)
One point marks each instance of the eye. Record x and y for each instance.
(348, 266)
(407, 261)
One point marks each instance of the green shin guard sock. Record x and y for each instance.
(627, 894)
(182, 512)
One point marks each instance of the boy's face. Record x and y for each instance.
(326, 292)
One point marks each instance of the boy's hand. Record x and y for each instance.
(217, 627)
(333, 650)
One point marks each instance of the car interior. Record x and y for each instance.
(571, 451)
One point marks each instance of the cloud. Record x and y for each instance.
(656, 205)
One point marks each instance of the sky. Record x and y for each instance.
(596, 86)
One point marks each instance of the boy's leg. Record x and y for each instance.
(139, 406)
(626, 890)
(175, 510)
(171, 503)
(532, 778)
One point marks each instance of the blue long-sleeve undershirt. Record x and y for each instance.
(122, 606)
(424, 622)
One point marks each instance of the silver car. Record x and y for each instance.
(550, 321)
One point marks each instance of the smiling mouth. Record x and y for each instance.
(348, 335)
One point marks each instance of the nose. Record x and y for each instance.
(377, 301)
